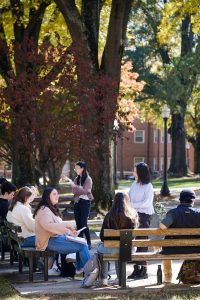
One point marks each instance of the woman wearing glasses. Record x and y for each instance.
(82, 190)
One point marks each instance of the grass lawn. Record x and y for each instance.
(173, 183)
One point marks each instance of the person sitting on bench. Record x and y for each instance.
(183, 216)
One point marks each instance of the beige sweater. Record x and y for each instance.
(21, 215)
(47, 225)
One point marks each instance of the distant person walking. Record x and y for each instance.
(141, 196)
(82, 190)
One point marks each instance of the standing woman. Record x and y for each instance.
(51, 231)
(20, 214)
(141, 196)
(81, 188)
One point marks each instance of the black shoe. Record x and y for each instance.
(142, 274)
(135, 272)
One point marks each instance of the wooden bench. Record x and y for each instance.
(31, 253)
(126, 241)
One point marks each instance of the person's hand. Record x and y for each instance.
(74, 233)
(70, 227)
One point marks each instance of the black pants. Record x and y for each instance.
(81, 214)
(144, 221)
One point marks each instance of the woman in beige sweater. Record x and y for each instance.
(20, 214)
(51, 231)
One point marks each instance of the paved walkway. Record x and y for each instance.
(58, 285)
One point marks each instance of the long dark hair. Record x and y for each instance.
(81, 179)
(46, 202)
(20, 196)
(122, 208)
(143, 173)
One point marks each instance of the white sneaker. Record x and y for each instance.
(116, 281)
(104, 282)
(54, 272)
(79, 272)
(71, 257)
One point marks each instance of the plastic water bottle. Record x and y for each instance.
(159, 275)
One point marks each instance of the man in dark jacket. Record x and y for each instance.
(183, 216)
(7, 189)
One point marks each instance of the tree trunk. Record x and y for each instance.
(103, 193)
(22, 169)
(196, 146)
(54, 171)
(178, 166)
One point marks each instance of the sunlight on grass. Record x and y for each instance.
(173, 183)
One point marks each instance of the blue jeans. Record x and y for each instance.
(104, 264)
(29, 242)
(63, 246)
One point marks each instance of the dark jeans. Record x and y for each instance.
(81, 214)
(144, 221)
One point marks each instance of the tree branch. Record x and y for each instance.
(115, 43)
(90, 15)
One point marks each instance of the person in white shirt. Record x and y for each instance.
(20, 214)
(141, 196)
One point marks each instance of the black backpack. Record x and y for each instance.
(67, 269)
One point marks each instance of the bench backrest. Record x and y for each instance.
(128, 236)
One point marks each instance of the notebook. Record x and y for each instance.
(76, 239)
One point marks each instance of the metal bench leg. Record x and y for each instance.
(11, 257)
(2, 251)
(20, 262)
(30, 268)
(122, 274)
(45, 268)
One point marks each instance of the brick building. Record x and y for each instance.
(146, 144)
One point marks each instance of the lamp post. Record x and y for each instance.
(115, 128)
(165, 114)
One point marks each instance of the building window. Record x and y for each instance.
(138, 160)
(168, 162)
(155, 165)
(139, 136)
(155, 136)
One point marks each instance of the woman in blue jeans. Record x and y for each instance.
(20, 214)
(51, 231)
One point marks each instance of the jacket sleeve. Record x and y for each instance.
(104, 226)
(47, 222)
(27, 218)
(83, 190)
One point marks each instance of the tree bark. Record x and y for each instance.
(178, 166)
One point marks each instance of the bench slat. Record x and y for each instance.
(154, 256)
(154, 231)
(156, 243)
